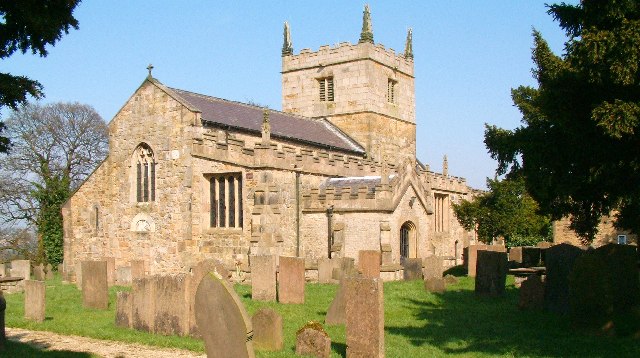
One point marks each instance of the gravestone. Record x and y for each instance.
(95, 292)
(49, 272)
(531, 293)
(263, 278)
(197, 274)
(267, 330)
(530, 256)
(515, 255)
(472, 258)
(313, 341)
(559, 262)
(491, 273)
(433, 267)
(412, 269)
(369, 263)
(291, 280)
(21, 268)
(38, 272)
(124, 306)
(336, 311)
(143, 300)
(345, 267)
(451, 279)
(364, 317)
(123, 276)
(171, 309)
(435, 285)
(111, 270)
(138, 269)
(325, 270)
(222, 319)
(34, 300)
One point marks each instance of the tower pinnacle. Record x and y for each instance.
(408, 47)
(367, 31)
(287, 47)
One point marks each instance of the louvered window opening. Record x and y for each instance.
(225, 192)
(326, 89)
(391, 91)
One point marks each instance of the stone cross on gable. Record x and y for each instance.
(150, 68)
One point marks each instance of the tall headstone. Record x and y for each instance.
(21, 268)
(369, 263)
(313, 341)
(34, 300)
(124, 306)
(171, 309)
(291, 280)
(365, 317)
(143, 303)
(95, 292)
(197, 274)
(559, 262)
(491, 273)
(267, 330)
(433, 267)
(222, 319)
(38, 272)
(263, 278)
(412, 269)
(473, 258)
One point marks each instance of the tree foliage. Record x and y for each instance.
(29, 25)
(577, 147)
(55, 147)
(506, 210)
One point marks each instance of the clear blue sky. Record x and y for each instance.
(468, 55)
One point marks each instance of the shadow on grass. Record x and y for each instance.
(339, 348)
(19, 349)
(457, 271)
(459, 322)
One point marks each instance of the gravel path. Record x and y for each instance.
(107, 349)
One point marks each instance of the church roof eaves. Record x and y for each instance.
(224, 113)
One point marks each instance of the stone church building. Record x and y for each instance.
(191, 177)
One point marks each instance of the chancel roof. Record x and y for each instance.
(228, 114)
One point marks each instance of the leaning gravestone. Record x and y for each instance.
(267, 330)
(34, 300)
(365, 317)
(491, 273)
(336, 311)
(38, 272)
(412, 269)
(531, 293)
(263, 278)
(95, 292)
(559, 261)
(197, 274)
(313, 341)
(222, 319)
(369, 263)
(291, 280)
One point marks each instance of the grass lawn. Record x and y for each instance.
(417, 324)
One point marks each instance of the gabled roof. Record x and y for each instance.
(223, 113)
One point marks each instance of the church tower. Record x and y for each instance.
(365, 89)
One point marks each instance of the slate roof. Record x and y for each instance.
(224, 113)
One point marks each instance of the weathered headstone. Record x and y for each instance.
(34, 300)
(412, 269)
(345, 267)
(515, 255)
(124, 306)
(433, 267)
(263, 278)
(472, 258)
(123, 276)
(143, 301)
(267, 330)
(336, 311)
(222, 319)
(312, 340)
(365, 317)
(291, 280)
(491, 273)
(559, 262)
(369, 263)
(95, 292)
(531, 293)
(197, 274)
(38, 272)
(171, 309)
(21, 268)
(325, 270)
(451, 279)
(435, 285)
(138, 269)
(49, 272)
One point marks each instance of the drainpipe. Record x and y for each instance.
(329, 230)
(455, 252)
(297, 214)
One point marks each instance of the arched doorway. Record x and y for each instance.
(407, 240)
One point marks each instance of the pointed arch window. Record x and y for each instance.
(145, 167)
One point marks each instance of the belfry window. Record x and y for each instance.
(225, 194)
(391, 91)
(326, 89)
(145, 174)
